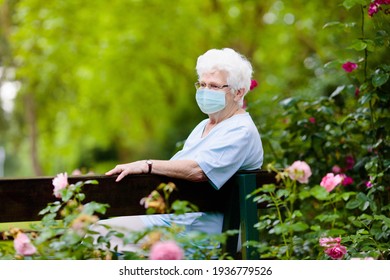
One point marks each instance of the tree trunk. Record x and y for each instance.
(33, 133)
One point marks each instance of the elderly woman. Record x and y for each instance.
(219, 146)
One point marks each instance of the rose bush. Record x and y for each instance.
(344, 137)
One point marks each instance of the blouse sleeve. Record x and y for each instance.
(225, 156)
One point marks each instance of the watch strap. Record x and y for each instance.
(150, 165)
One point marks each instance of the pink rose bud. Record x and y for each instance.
(349, 66)
(349, 162)
(253, 84)
(336, 169)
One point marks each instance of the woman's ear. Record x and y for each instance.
(239, 94)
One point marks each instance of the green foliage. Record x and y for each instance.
(113, 81)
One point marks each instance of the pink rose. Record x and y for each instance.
(347, 180)
(60, 182)
(299, 171)
(166, 250)
(312, 120)
(23, 245)
(337, 252)
(349, 66)
(330, 181)
(373, 9)
(375, 6)
(368, 184)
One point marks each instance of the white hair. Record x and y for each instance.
(239, 69)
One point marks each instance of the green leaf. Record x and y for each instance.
(66, 194)
(334, 64)
(353, 204)
(327, 217)
(358, 45)
(304, 194)
(268, 188)
(297, 214)
(331, 24)
(336, 92)
(348, 4)
(380, 79)
(319, 193)
(80, 196)
(364, 206)
(92, 207)
(346, 195)
(365, 98)
(91, 182)
(280, 228)
(299, 226)
(282, 193)
(183, 206)
(50, 208)
(288, 102)
(383, 218)
(315, 228)
(336, 232)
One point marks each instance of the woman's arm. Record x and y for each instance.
(182, 169)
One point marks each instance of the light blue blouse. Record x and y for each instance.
(233, 144)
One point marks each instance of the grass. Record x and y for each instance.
(21, 225)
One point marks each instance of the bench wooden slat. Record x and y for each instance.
(22, 199)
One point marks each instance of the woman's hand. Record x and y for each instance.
(137, 167)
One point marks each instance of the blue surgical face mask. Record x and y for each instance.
(210, 101)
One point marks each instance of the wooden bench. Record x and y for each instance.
(21, 199)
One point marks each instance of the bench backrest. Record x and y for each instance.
(21, 199)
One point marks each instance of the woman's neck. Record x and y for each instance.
(218, 117)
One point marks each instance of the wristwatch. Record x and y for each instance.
(150, 164)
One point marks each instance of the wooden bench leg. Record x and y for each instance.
(248, 215)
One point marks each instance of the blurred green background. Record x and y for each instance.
(89, 84)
